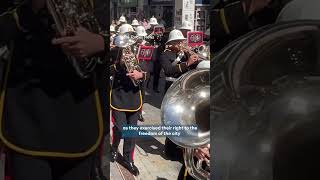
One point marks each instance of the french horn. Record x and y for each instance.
(187, 102)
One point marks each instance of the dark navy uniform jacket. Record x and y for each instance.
(46, 108)
(170, 69)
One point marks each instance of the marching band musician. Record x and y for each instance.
(122, 20)
(52, 118)
(126, 29)
(153, 22)
(185, 28)
(126, 103)
(112, 36)
(141, 34)
(156, 41)
(135, 23)
(174, 65)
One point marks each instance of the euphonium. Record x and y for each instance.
(187, 102)
(131, 63)
(70, 15)
(128, 57)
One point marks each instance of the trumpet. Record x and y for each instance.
(183, 49)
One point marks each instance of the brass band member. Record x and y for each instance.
(135, 23)
(141, 34)
(122, 21)
(112, 36)
(185, 28)
(52, 117)
(126, 103)
(153, 22)
(175, 63)
(174, 60)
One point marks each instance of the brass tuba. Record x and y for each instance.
(68, 16)
(187, 102)
(265, 92)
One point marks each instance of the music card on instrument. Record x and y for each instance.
(145, 52)
(158, 30)
(195, 39)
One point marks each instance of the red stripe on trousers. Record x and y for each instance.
(113, 122)
(132, 152)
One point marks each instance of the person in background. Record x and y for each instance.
(153, 22)
(135, 23)
(145, 23)
(122, 20)
(112, 36)
(114, 23)
(141, 34)
(185, 28)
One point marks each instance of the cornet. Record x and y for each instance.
(202, 56)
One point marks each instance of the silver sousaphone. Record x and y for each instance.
(187, 102)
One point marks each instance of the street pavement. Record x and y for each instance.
(149, 152)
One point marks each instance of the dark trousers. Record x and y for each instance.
(156, 74)
(167, 85)
(121, 119)
(155, 68)
(21, 167)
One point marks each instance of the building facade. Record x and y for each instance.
(163, 10)
(202, 15)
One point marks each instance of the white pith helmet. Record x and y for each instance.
(122, 19)
(153, 21)
(112, 29)
(135, 22)
(186, 25)
(125, 28)
(175, 35)
(141, 31)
